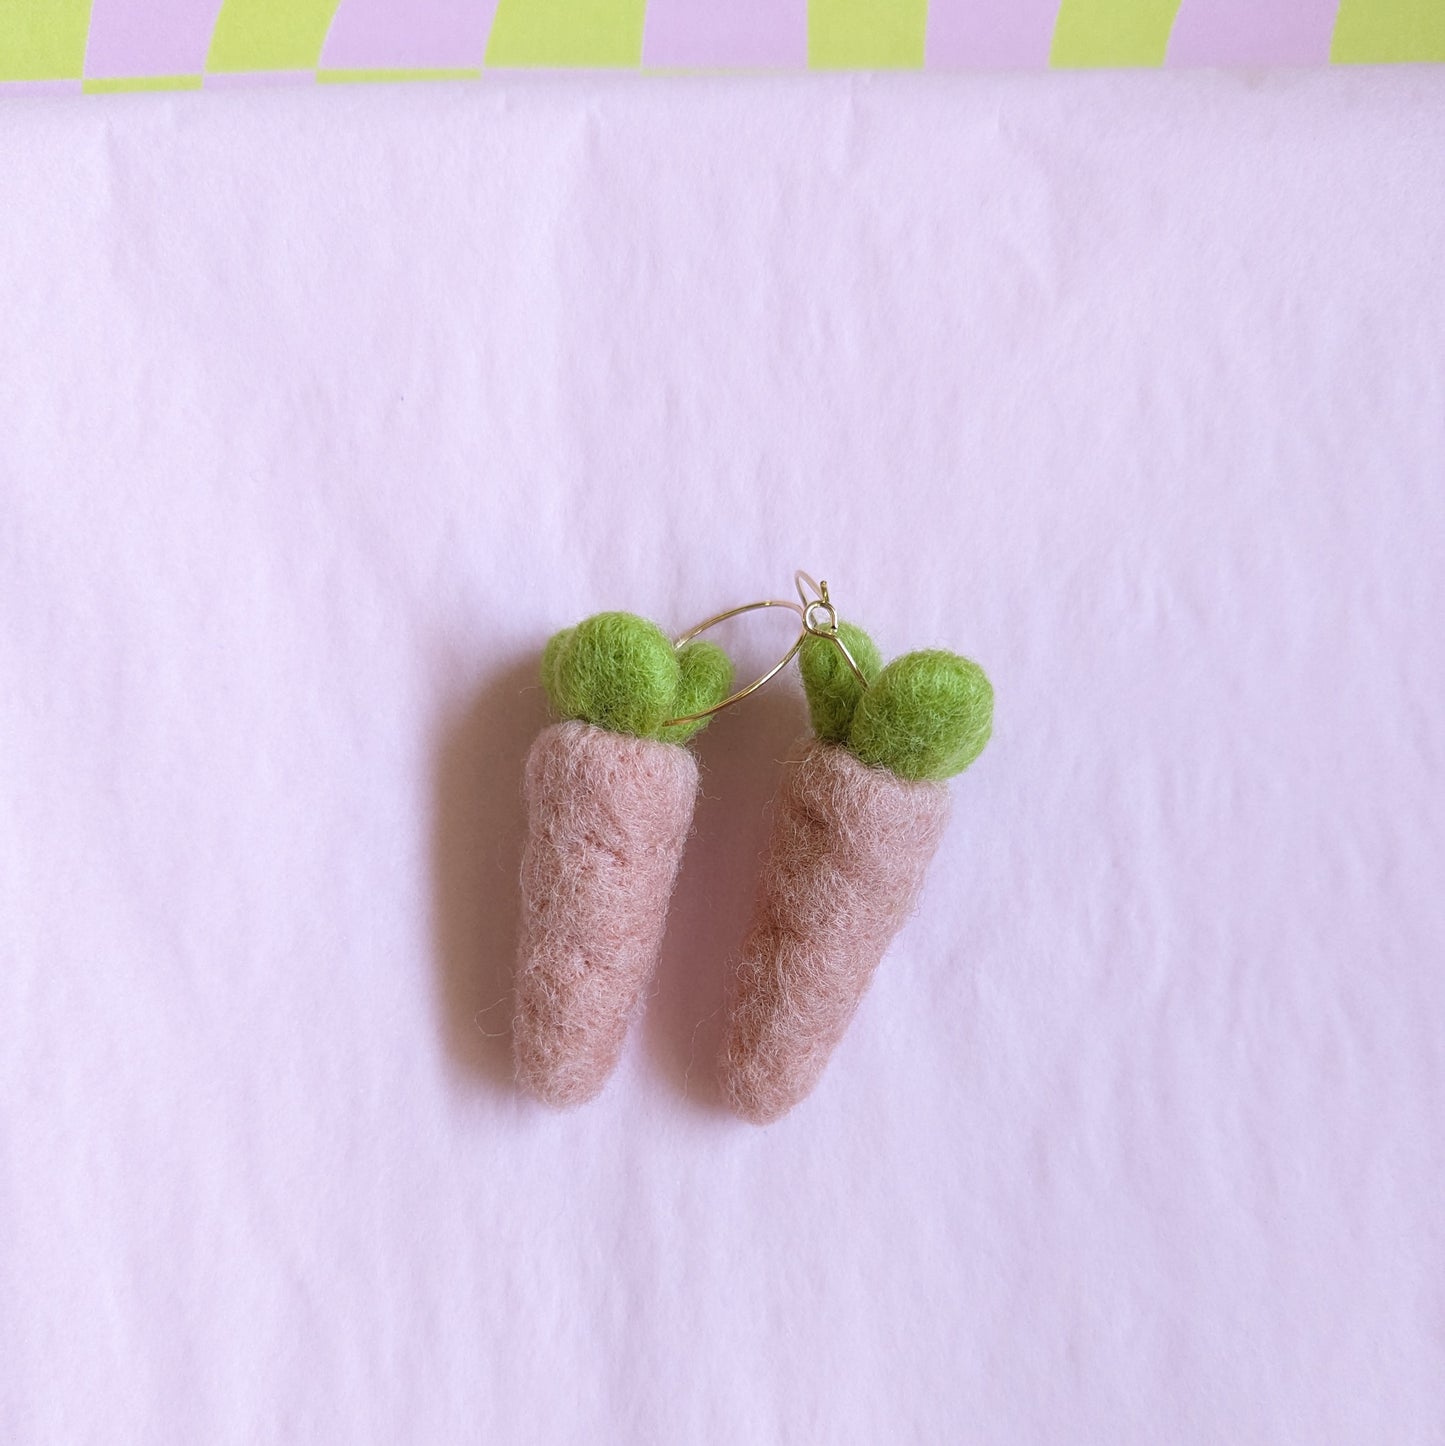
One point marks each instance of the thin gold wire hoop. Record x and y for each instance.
(819, 620)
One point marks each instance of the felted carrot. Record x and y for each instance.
(609, 793)
(857, 817)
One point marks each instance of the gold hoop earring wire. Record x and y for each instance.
(819, 619)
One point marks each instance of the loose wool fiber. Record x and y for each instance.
(849, 848)
(608, 815)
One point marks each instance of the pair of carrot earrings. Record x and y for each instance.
(610, 791)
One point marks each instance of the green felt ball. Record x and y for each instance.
(832, 686)
(928, 715)
(706, 675)
(616, 670)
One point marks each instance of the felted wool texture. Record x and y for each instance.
(607, 817)
(927, 715)
(622, 672)
(616, 670)
(705, 675)
(847, 855)
(832, 687)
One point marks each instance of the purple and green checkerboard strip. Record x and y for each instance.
(107, 45)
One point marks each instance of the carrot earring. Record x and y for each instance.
(856, 820)
(609, 794)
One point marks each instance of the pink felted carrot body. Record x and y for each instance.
(856, 820)
(608, 817)
(609, 795)
(849, 848)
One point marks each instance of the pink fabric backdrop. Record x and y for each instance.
(321, 410)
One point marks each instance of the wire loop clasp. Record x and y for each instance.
(819, 619)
